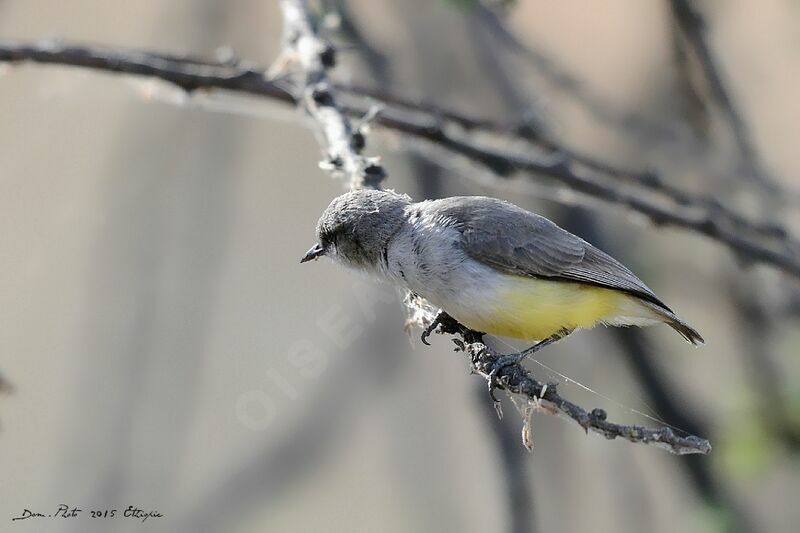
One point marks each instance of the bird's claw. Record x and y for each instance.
(495, 382)
(428, 330)
(442, 319)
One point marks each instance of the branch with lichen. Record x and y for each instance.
(446, 130)
(343, 142)
(300, 40)
(313, 55)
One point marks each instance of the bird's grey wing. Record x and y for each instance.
(515, 241)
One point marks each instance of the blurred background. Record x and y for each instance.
(162, 348)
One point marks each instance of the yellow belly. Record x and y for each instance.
(535, 309)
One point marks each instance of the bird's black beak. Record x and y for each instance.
(315, 251)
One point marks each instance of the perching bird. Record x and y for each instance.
(489, 264)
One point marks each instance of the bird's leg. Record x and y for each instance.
(515, 358)
(448, 323)
(495, 382)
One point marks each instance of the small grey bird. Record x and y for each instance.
(489, 264)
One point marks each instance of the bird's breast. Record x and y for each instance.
(425, 258)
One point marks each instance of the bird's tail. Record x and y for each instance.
(669, 318)
(634, 311)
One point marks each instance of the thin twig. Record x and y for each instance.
(693, 27)
(344, 145)
(514, 377)
(188, 74)
(691, 24)
(347, 28)
(524, 131)
(517, 379)
(570, 84)
(770, 243)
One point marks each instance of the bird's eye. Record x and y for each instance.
(327, 238)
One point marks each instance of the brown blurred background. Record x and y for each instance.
(154, 318)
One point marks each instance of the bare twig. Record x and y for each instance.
(569, 84)
(693, 27)
(630, 122)
(768, 243)
(189, 74)
(346, 27)
(524, 131)
(344, 145)
(514, 377)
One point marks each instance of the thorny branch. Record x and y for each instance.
(445, 129)
(301, 39)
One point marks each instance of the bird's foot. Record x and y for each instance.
(494, 383)
(505, 361)
(495, 379)
(444, 322)
(495, 375)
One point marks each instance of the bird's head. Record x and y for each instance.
(357, 226)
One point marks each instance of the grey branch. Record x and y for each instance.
(514, 377)
(634, 125)
(344, 144)
(186, 73)
(693, 27)
(752, 242)
(302, 46)
(707, 205)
